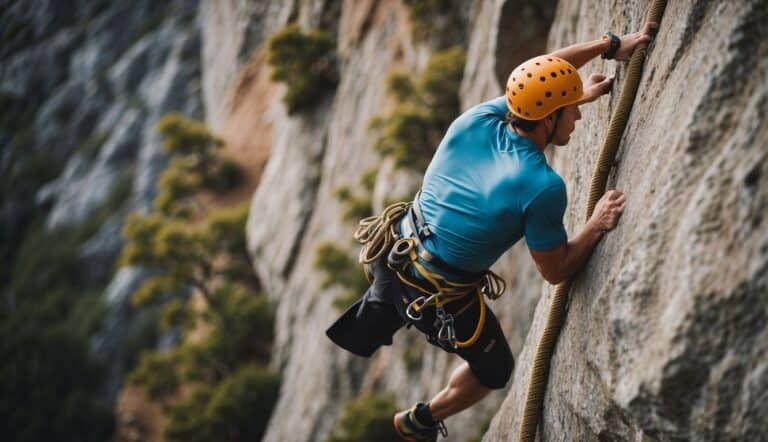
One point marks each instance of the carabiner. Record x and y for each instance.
(415, 305)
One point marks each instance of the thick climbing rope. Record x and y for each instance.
(556, 317)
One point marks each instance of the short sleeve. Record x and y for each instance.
(544, 229)
(496, 109)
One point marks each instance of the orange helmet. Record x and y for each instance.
(541, 86)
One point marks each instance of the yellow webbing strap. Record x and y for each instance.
(556, 317)
(377, 236)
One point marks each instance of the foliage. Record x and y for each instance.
(51, 386)
(157, 373)
(240, 335)
(228, 176)
(438, 19)
(357, 205)
(238, 408)
(425, 109)
(305, 63)
(368, 418)
(340, 269)
(195, 165)
(203, 257)
(188, 138)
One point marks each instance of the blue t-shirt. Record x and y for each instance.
(485, 188)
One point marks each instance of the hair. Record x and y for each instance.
(524, 125)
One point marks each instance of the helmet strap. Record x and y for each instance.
(558, 114)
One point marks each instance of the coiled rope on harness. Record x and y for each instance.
(556, 316)
(378, 236)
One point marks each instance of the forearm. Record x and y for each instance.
(580, 53)
(578, 250)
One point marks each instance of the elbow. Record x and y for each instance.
(554, 280)
(552, 277)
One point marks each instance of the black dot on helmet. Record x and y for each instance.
(520, 85)
(554, 75)
(542, 78)
(529, 75)
(548, 94)
(522, 69)
(569, 71)
(538, 64)
(514, 93)
(574, 88)
(527, 114)
(538, 103)
(518, 110)
(562, 72)
(564, 93)
(549, 59)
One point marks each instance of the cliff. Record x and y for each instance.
(666, 331)
(663, 338)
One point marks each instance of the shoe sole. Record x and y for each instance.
(399, 433)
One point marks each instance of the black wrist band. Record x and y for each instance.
(615, 43)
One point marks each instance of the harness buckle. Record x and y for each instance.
(400, 252)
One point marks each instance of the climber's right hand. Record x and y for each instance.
(608, 210)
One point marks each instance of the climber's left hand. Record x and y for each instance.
(596, 86)
(630, 41)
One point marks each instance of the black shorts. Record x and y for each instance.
(371, 321)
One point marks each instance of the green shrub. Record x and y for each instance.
(305, 63)
(51, 387)
(406, 134)
(188, 137)
(357, 204)
(236, 409)
(157, 373)
(176, 187)
(411, 132)
(343, 270)
(228, 176)
(436, 18)
(368, 418)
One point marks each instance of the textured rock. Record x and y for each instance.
(665, 337)
(294, 210)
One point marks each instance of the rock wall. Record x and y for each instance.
(294, 210)
(665, 336)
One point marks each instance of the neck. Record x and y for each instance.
(538, 135)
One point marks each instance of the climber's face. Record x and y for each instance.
(566, 125)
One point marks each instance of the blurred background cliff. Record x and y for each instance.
(179, 182)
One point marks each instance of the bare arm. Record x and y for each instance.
(580, 53)
(558, 264)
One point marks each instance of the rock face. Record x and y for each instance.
(294, 210)
(83, 84)
(665, 336)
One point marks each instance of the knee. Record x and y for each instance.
(497, 376)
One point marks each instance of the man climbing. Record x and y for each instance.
(487, 186)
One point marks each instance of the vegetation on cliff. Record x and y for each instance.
(305, 62)
(425, 108)
(195, 252)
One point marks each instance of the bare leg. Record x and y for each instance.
(463, 391)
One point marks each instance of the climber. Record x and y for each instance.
(487, 186)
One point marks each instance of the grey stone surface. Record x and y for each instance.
(665, 337)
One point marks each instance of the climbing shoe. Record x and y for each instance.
(412, 430)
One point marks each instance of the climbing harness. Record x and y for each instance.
(413, 263)
(556, 315)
